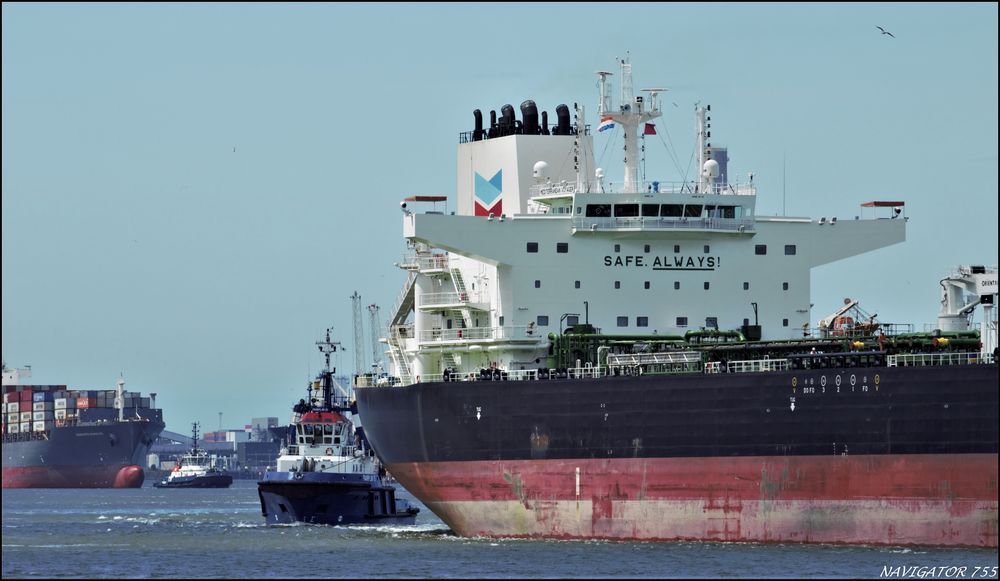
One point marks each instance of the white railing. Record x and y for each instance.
(757, 365)
(516, 375)
(432, 262)
(431, 299)
(649, 186)
(402, 331)
(922, 359)
(649, 223)
(478, 334)
(633, 359)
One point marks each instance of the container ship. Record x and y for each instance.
(54, 437)
(575, 358)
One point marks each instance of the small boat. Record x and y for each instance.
(330, 474)
(196, 469)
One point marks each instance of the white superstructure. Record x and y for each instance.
(961, 292)
(541, 242)
(13, 376)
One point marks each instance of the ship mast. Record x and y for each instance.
(326, 347)
(194, 438)
(704, 147)
(632, 111)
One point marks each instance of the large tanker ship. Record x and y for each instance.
(59, 438)
(715, 410)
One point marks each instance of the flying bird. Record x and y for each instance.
(884, 31)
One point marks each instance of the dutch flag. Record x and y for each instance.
(606, 123)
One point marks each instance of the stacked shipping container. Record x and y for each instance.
(39, 408)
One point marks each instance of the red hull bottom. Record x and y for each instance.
(120, 476)
(944, 500)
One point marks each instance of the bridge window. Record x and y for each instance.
(760, 249)
(682, 321)
(650, 210)
(623, 321)
(532, 247)
(598, 210)
(671, 210)
(642, 321)
(727, 212)
(626, 210)
(562, 247)
(692, 211)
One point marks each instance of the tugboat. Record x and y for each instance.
(196, 470)
(330, 474)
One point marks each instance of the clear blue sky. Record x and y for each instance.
(135, 239)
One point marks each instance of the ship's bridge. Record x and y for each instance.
(675, 207)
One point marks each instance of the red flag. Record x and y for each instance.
(650, 129)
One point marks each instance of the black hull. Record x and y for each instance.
(860, 411)
(214, 481)
(105, 455)
(330, 503)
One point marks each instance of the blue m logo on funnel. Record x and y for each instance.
(488, 195)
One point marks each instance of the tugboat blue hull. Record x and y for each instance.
(331, 503)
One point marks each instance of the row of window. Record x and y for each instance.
(760, 249)
(662, 211)
(647, 286)
(710, 322)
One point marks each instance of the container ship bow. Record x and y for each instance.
(714, 410)
(59, 438)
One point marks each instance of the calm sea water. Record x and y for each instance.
(157, 533)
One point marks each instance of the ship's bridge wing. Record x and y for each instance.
(486, 240)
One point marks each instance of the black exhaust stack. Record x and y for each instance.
(478, 134)
(494, 130)
(529, 116)
(562, 116)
